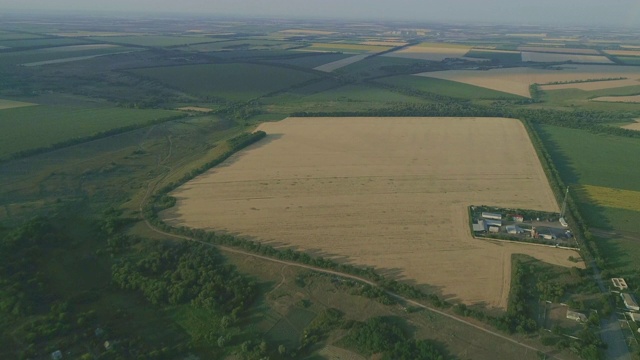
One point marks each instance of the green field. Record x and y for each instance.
(503, 57)
(227, 81)
(239, 45)
(446, 88)
(152, 40)
(311, 60)
(629, 60)
(383, 66)
(7, 35)
(25, 43)
(35, 127)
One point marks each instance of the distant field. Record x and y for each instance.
(625, 99)
(594, 85)
(629, 60)
(152, 40)
(517, 80)
(335, 65)
(611, 197)
(305, 32)
(343, 47)
(633, 126)
(34, 127)
(227, 81)
(42, 42)
(431, 51)
(552, 57)
(240, 45)
(6, 35)
(375, 192)
(447, 88)
(10, 104)
(313, 60)
(558, 50)
(623, 52)
(504, 56)
(35, 56)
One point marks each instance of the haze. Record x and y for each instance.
(618, 13)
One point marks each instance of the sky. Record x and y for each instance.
(619, 13)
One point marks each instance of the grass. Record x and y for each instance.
(575, 97)
(378, 66)
(288, 330)
(312, 60)
(6, 35)
(34, 127)
(152, 40)
(629, 60)
(447, 88)
(10, 104)
(610, 197)
(248, 44)
(239, 82)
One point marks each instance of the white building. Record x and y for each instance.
(630, 302)
(574, 315)
(619, 283)
(493, 216)
(513, 229)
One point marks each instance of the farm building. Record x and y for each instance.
(619, 283)
(497, 223)
(514, 229)
(480, 226)
(516, 217)
(493, 216)
(574, 315)
(494, 229)
(630, 302)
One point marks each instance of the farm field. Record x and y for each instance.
(33, 127)
(543, 57)
(48, 42)
(10, 104)
(346, 48)
(327, 186)
(623, 52)
(517, 80)
(335, 65)
(447, 87)
(627, 99)
(43, 55)
(431, 52)
(558, 50)
(311, 61)
(610, 197)
(227, 81)
(593, 85)
(504, 56)
(152, 40)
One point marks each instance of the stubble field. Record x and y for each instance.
(391, 193)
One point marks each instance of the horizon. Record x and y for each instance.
(570, 13)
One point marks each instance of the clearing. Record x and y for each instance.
(385, 192)
(517, 80)
(632, 126)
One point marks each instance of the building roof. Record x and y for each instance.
(574, 315)
(479, 226)
(629, 301)
(490, 222)
(634, 316)
(492, 215)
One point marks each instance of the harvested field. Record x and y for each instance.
(517, 80)
(623, 52)
(306, 32)
(594, 85)
(385, 192)
(10, 104)
(624, 99)
(384, 43)
(634, 126)
(553, 57)
(558, 50)
(432, 52)
(341, 63)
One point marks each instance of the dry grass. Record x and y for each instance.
(385, 192)
(517, 80)
(552, 57)
(622, 99)
(634, 126)
(10, 104)
(610, 197)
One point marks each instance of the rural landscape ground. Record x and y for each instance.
(209, 188)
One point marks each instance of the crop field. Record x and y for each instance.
(346, 48)
(305, 32)
(557, 50)
(239, 45)
(227, 81)
(504, 56)
(517, 80)
(10, 104)
(610, 197)
(7, 35)
(623, 52)
(335, 65)
(626, 99)
(313, 60)
(447, 87)
(553, 57)
(594, 85)
(629, 60)
(152, 40)
(34, 127)
(377, 192)
(431, 51)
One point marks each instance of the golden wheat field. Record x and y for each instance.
(391, 193)
(517, 80)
